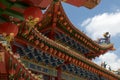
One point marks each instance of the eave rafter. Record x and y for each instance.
(17, 9)
(76, 59)
(80, 36)
(63, 20)
(37, 40)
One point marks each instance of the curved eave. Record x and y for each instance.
(91, 3)
(46, 20)
(48, 16)
(107, 47)
(102, 48)
(70, 53)
(86, 3)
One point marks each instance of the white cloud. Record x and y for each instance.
(111, 59)
(99, 24)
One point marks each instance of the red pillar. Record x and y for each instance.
(59, 74)
(3, 72)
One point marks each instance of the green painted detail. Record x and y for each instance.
(15, 66)
(19, 73)
(19, 5)
(1, 10)
(28, 78)
(25, 63)
(24, 74)
(10, 62)
(13, 13)
(68, 76)
(2, 19)
(42, 8)
(55, 0)
(6, 3)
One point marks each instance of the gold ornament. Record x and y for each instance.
(31, 22)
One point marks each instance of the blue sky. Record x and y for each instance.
(94, 22)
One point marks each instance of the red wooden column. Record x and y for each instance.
(3, 71)
(59, 73)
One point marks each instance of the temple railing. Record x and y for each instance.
(15, 69)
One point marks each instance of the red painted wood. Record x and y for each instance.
(2, 6)
(77, 3)
(33, 12)
(8, 28)
(59, 74)
(52, 33)
(2, 68)
(20, 10)
(14, 61)
(44, 3)
(54, 21)
(38, 3)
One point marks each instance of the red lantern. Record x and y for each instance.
(33, 12)
(8, 28)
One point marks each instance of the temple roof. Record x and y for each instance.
(64, 28)
(55, 20)
(56, 14)
(48, 48)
